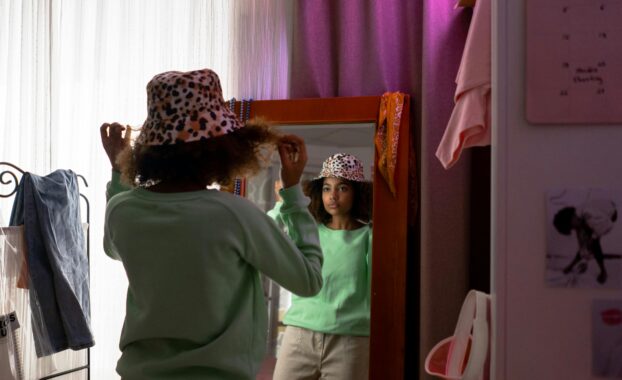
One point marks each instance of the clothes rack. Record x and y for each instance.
(10, 175)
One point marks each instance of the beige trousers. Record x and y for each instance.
(310, 355)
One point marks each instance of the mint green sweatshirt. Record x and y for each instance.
(342, 306)
(195, 305)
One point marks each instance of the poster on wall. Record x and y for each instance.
(607, 338)
(584, 238)
(574, 61)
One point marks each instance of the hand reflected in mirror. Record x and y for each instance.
(293, 154)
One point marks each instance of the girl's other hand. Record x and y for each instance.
(114, 141)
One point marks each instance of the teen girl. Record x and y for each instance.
(195, 303)
(327, 335)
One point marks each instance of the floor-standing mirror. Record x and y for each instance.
(349, 125)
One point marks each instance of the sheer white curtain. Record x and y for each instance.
(261, 48)
(24, 83)
(66, 66)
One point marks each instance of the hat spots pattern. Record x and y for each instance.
(185, 107)
(342, 165)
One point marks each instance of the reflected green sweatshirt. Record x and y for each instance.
(342, 306)
(195, 304)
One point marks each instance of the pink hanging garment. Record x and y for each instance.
(469, 124)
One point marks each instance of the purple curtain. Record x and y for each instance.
(368, 47)
(356, 48)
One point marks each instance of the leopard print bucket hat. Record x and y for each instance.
(185, 107)
(342, 165)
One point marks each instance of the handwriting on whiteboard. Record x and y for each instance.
(574, 61)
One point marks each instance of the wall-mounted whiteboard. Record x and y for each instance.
(574, 61)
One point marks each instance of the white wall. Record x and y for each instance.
(540, 332)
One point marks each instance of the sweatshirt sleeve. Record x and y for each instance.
(285, 213)
(295, 263)
(115, 186)
(109, 248)
(276, 215)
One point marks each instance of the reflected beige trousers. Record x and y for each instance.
(310, 355)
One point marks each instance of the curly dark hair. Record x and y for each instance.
(563, 220)
(221, 159)
(361, 204)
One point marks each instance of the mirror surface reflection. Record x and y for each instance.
(322, 141)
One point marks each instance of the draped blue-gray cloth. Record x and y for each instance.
(49, 209)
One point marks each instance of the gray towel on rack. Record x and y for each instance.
(49, 209)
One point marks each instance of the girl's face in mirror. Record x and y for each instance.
(337, 196)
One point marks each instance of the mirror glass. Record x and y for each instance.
(321, 140)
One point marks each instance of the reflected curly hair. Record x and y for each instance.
(239, 153)
(361, 204)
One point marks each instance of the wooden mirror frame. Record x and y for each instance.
(391, 218)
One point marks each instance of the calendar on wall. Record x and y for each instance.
(574, 61)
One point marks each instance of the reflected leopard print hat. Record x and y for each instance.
(342, 165)
(185, 107)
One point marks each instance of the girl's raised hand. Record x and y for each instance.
(114, 141)
(293, 153)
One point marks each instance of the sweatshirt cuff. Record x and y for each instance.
(115, 186)
(293, 196)
(116, 176)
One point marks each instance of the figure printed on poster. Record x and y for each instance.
(584, 246)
